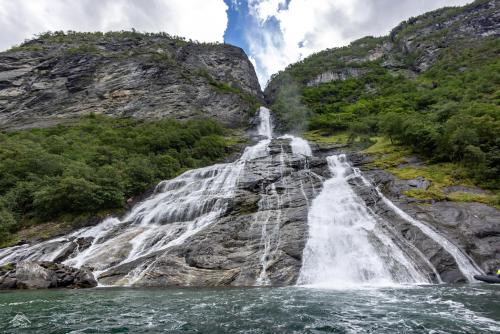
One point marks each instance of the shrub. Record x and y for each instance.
(96, 165)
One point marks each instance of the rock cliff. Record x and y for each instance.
(260, 236)
(58, 77)
(258, 241)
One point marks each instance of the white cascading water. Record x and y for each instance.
(466, 265)
(299, 145)
(345, 248)
(269, 220)
(178, 209)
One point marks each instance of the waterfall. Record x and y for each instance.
(178, 209)
(299, 145)
(265, 128)
(346, 247)
(464, 262)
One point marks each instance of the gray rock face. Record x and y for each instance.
(44, 82)
(260, 237)
(473, 227)
(258, 241)
(339, 75)
(478, 20)
(43, 275)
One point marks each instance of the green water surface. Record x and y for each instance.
(428, 309)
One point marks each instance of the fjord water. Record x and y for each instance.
(431, 309)
(355, 278)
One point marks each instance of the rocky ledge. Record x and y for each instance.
(43, 275)
(259, 241)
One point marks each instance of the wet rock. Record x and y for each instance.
(258, 241)
(473, 227)
(76, 245)
(419, 183)
(43, 275)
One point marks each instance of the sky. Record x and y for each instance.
(273, 33)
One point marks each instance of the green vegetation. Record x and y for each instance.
(26, 47)
(320, 137)
(390, 156)
(315, 64)
(7, 267)
(65, 37)
(448, 114)
(69, 173)
(225, 88)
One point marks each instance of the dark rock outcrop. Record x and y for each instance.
(52, 80)
(43, 275)
(339, 75)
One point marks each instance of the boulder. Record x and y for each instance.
(44, 275)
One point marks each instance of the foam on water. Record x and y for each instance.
(428, 309)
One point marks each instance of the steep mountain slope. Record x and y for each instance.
(419, 110)
(284, 211)
(132, 109)
(432, 85)
(251, 222)
(59, 76)
(411, 48)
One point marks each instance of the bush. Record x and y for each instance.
(448, 113)
(68, 194)
(96, 165)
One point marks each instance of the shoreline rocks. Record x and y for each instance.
(44, 275)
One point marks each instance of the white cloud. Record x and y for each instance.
(203, 20)
(284, 35)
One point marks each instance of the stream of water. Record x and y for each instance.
(345, 247)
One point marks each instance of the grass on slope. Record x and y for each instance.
(389, 156)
